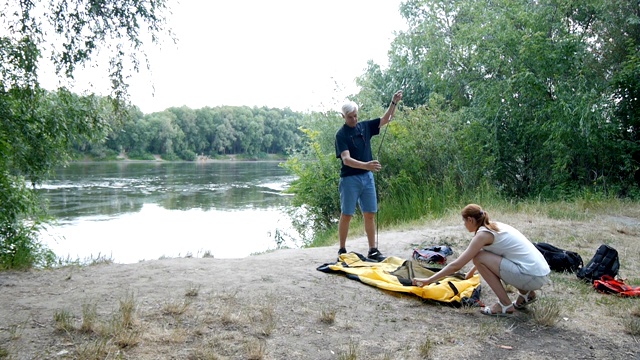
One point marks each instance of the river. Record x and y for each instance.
(134, 211)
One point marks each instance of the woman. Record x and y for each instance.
(499, 252)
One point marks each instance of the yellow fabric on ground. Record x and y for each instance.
(388, 273)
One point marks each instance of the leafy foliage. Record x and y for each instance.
(516, 99)
(39, 128)
(316, 204)
(537, 78)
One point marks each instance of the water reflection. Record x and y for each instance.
(144, 210)
(84, 189)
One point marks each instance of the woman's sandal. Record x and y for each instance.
(526, 300)
(488, 311)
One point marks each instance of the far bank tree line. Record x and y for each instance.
(184, 133)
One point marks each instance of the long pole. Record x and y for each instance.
(378, 157)
(376, 183)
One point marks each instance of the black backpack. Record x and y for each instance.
(604, 262)
(558, 259)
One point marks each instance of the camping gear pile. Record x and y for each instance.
(396, 274)
(601, 270)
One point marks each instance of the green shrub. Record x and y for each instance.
(20, 247)
(140, 155)
(170, 156)
(188, 155)
(316, 203)
(101, 152)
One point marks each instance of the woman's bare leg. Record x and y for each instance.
(488, 265)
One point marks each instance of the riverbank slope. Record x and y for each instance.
(278, 306)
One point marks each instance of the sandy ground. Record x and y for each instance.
(278, 306)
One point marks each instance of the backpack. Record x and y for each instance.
(604, 262)
(608, 285)
(433, 254)
(558, 259)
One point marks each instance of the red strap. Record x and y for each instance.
(608, 284)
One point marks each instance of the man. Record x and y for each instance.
(353, 147)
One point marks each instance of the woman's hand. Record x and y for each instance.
(419, 282)
(471, 273)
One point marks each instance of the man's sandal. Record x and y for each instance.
(488, 311)
(526, 300)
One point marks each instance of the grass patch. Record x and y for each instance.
(121, 329)
(89, 318)
(127, 338)
(176, 307)
(193, 290)
(229, 317)
(99, 259)
(256, 350)
(207, 254)
(426, 348)
(15, 331)
(269, 319)
(327, 316)
(63, 320)
(205, 352)
(351, 353)
(546, 311)
(632, 326)
(93, 350)
(127, 310)
(632, 322)
(96, 340)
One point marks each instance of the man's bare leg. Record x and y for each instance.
(343, 229)
(370, 228)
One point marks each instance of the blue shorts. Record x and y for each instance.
(358, 188)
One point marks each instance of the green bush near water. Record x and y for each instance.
(20, 251)
(432, 163)
(557, 127)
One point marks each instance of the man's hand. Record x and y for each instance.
(397, 96)
(373, 165)
(384, 120)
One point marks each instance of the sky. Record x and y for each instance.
(304, 55)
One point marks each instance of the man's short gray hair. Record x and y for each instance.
(349, 107)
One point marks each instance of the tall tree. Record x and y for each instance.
(37, 128)
(164, 132)
(541, 78)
